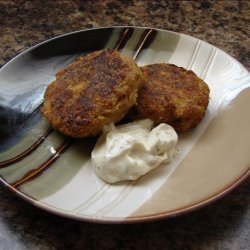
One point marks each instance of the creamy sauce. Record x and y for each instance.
(131, 150)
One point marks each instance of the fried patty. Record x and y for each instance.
(93, 91)
(171, 95)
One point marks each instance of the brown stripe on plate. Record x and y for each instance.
(146, 39)
(32, 148)
(27, 152)
(125, 35)
(37, 171)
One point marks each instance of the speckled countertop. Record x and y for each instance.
(223, 225)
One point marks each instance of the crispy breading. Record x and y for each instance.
(93, 91)
(171, 95)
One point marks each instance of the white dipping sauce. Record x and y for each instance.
(129, 151)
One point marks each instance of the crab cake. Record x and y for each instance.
(93, 91)
(171, 95)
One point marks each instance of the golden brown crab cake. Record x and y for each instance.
(93, 91)
(172, 95)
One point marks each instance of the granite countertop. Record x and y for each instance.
(222, 225)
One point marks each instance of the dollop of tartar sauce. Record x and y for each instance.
(129, 151)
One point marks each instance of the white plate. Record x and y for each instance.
(54, 172)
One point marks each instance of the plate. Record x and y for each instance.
(54, 172)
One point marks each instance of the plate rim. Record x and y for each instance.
(130, 219)
(114, 27)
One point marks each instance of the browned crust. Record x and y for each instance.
(172, 95)
(95, 90)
